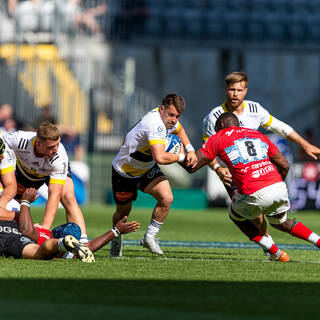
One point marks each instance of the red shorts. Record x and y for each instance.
(43, 235)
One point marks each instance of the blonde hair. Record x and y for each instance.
(48, 131)
(237, 76)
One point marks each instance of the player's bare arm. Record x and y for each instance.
(24, 217)
(9, 184)
(281, 163)
(191, 158)
(54, 194)
(161, 156)
(121, 227)
(223, 172)
(311, 150)
(202, 161)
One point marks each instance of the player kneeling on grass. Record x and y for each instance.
(258, 170)
(19, 237)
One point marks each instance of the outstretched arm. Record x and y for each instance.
(311, 150)
(202, 161)
(122, 227)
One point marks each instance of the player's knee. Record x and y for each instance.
(166, 200)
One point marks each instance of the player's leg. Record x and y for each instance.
(250, 227)
(73, 211)
(160, 189)
(295, 228)
(52, 247)
(124, 193)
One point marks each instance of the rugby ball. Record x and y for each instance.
(66, 229)
(173, 144)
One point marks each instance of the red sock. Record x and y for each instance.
(266, 243)
(301, 231)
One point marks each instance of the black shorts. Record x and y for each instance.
(27, 183)
(125, 190)
(11, 241)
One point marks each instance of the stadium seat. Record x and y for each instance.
(214, 23)
(193, 22)
(173, 22)
(26, 16)
(297, 28)
(46, 16)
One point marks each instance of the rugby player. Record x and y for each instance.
(41, 158)
(16, 239)
(258, 170)
(17, 231)
(136, 167)
(8, 184)
(251, 115)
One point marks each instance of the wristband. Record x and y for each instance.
(25, 203)
(189, 147)
(216, 166)
(115, 232)
(181, 157)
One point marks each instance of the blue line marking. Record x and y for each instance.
(224, 245)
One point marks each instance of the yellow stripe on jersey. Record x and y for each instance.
(6, 170)
(178, 129)
(25, 170)
(132, 171)
(268, 123)
(145, 150)
(57, 181)
(158, 141)
(33, 141)
(205, 137)
(224, 107)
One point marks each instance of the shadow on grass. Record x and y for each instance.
(147, 299)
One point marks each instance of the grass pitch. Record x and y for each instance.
(187, 283)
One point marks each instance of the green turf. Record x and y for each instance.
(187, 283)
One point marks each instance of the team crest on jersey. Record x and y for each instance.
(159, 128)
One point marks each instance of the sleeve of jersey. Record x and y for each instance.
(7, 164)
(11, 139)
(176, 128)
(59, 173)
(208, 148)
(207, 128)
(156, 133)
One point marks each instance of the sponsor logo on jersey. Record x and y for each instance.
(263, 171)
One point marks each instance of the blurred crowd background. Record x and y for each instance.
(95, 67)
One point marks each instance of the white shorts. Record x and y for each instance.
(271, 200)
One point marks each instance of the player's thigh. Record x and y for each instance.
(16, 245)
(247, 206)
(160, 189)
(29, 251)
(68, 188)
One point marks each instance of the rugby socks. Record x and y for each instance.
(266, 243)
(299, 230)
(154, 227)
(84, 239)
(61, 246)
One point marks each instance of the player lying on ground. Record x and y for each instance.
(258, 170)
(18, 237)
(251, 115)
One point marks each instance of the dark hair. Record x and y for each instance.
(226, 120)
(237, 76)
(174, 99)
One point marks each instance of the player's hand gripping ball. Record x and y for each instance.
(66, 229)
(173, 144)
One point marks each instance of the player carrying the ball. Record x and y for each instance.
(136, 167)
